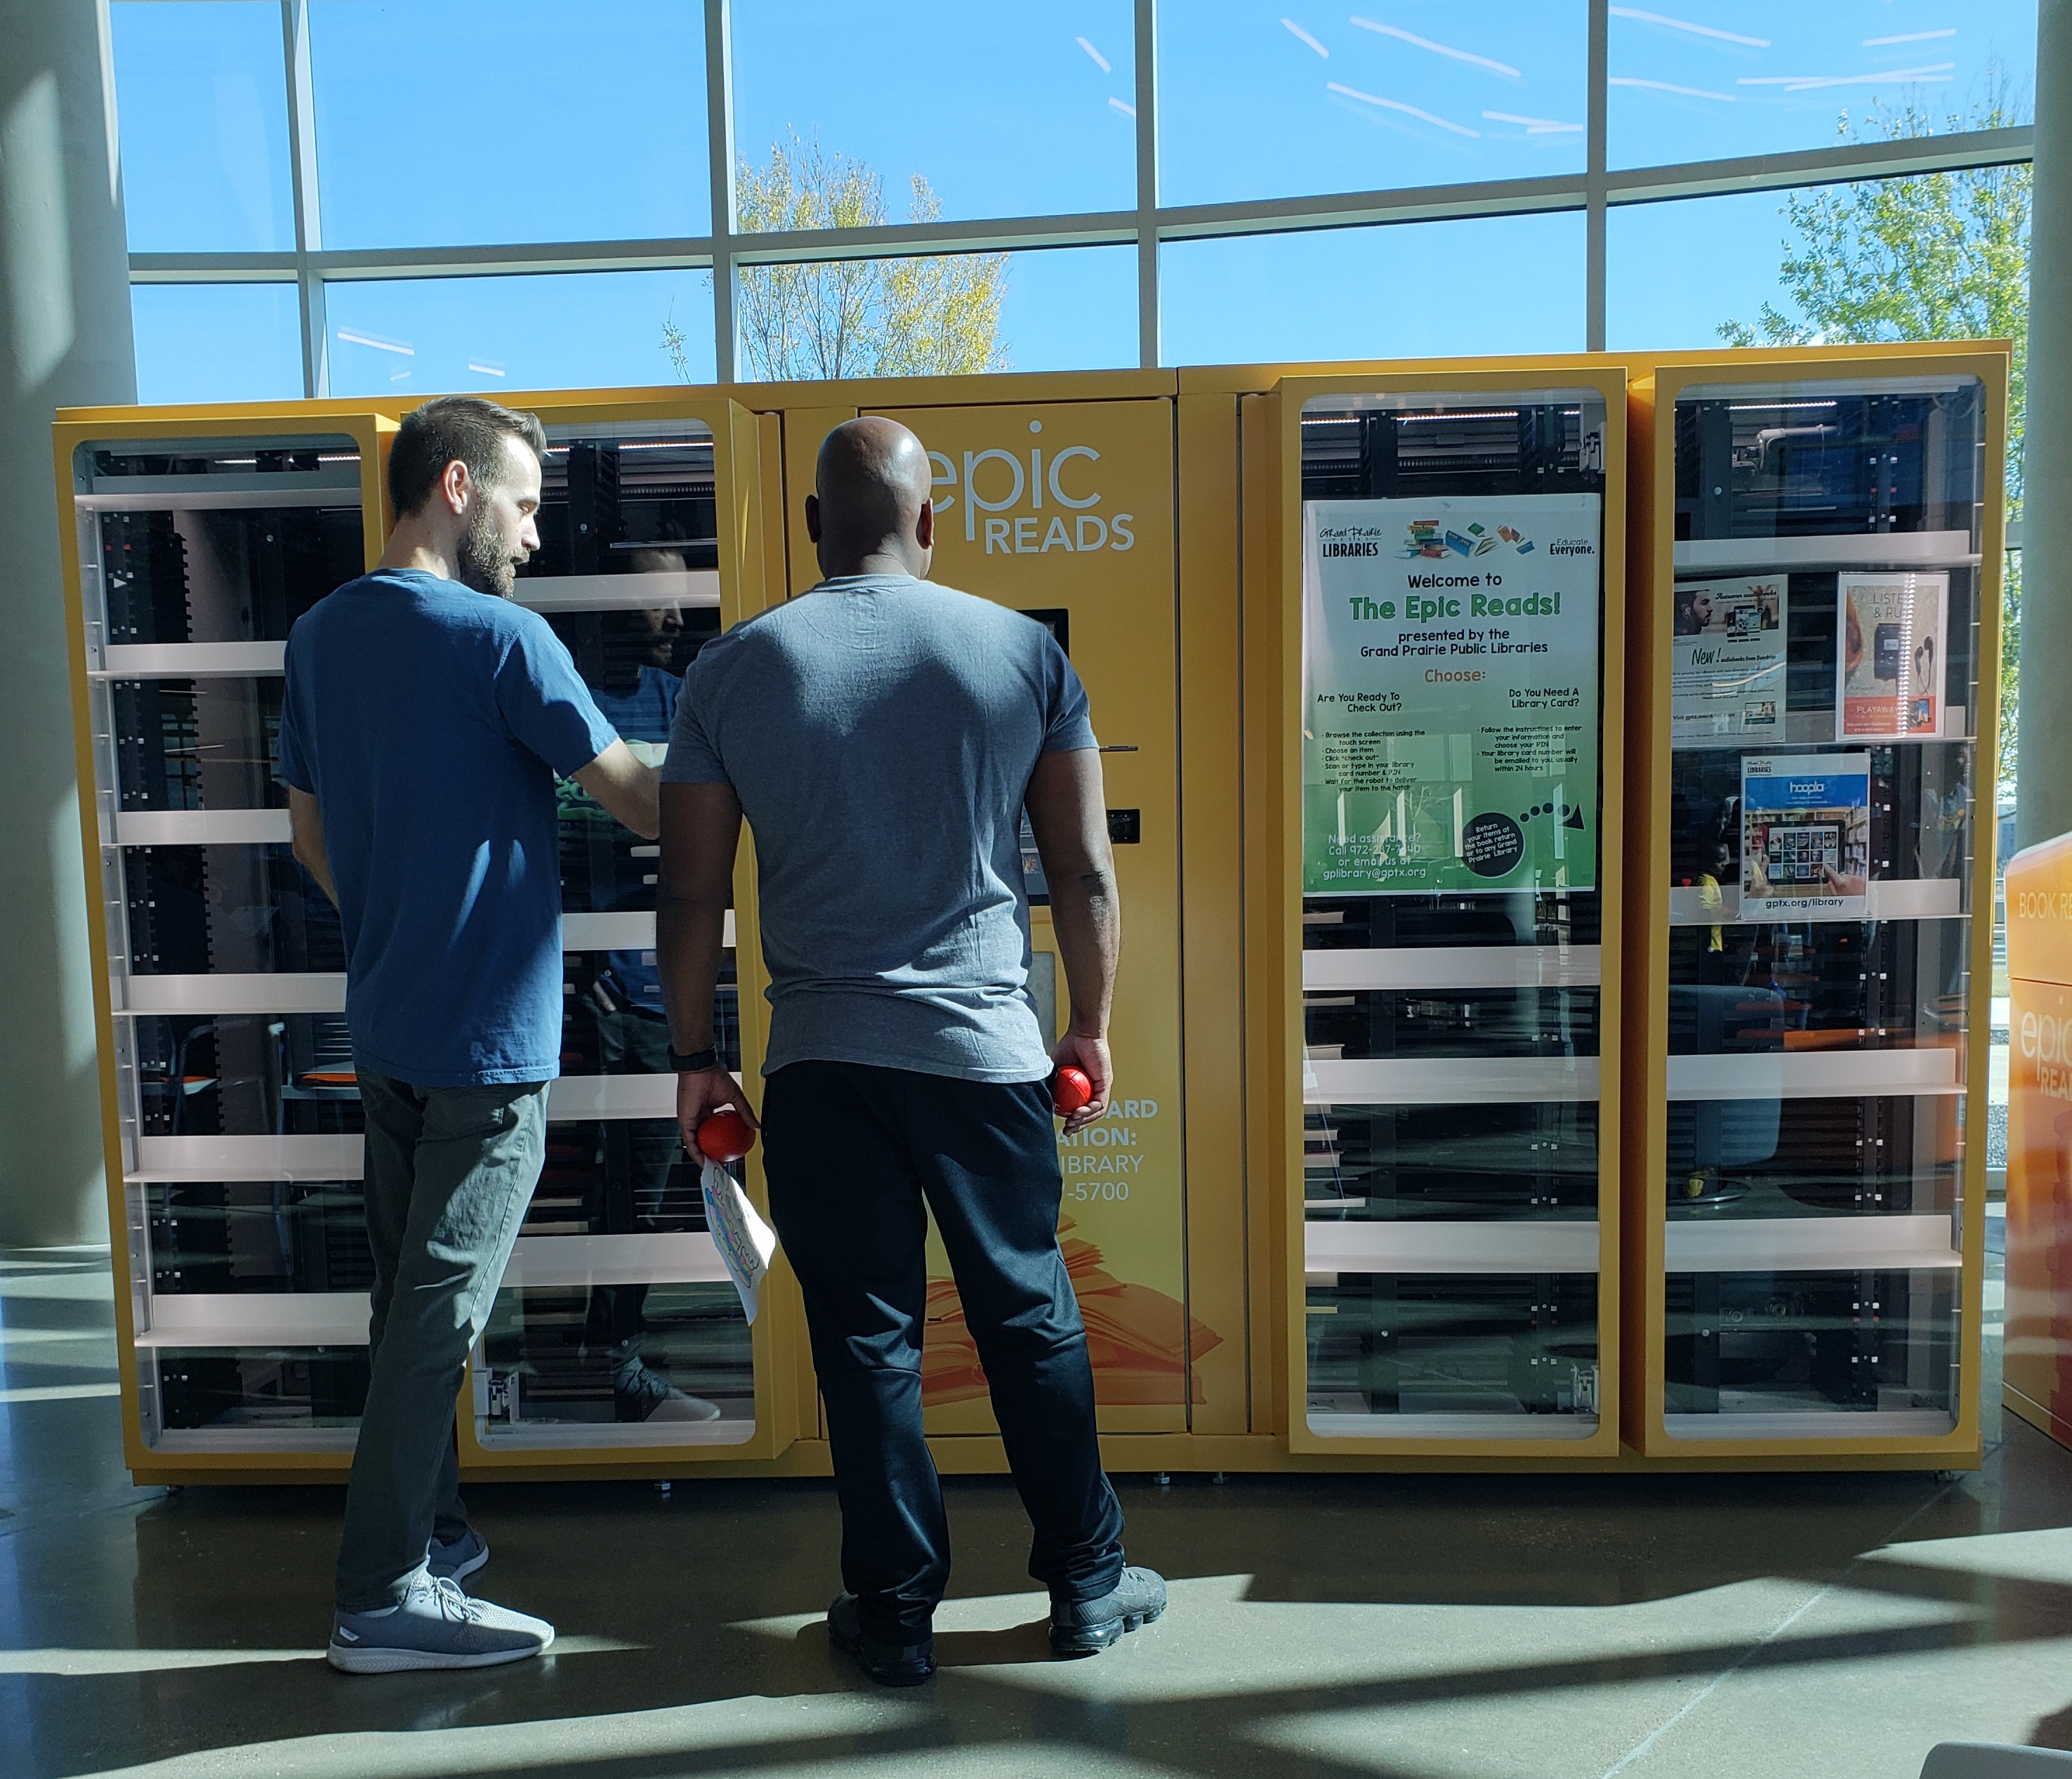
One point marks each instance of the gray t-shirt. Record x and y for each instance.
(880, 732)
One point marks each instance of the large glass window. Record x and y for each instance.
(1253, 104)
(204, 106)
(1703, 78)
(1003, 111)
(1650, 301)
(456, 121)
(1015, 136)
(1510, 284)
(944, 315)
(217, 342)
(582, 330)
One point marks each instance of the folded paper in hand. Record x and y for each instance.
(744, 1242)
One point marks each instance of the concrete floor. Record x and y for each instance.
(1835, 1626)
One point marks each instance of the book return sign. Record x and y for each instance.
(1450, 695)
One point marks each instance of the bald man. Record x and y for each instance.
(883, 736)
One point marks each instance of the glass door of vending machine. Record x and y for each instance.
(1821, 668)
(617, 1335)
(1453, 567)
(233, 1144)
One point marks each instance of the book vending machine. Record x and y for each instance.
(1818, 654)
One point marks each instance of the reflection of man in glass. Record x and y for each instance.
(619, 1009)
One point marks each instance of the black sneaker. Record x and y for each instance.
(888, 1664)
(1085, 1627)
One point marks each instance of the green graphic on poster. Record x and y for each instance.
(1450, 693)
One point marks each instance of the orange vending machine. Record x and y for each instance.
(2037, 1374)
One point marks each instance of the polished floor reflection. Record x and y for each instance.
(1441, 1626)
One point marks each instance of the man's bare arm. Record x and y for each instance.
(700, 827)
(1068, 811)
(627, 789)
(305, 827)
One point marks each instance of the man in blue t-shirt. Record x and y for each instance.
(423, 722)
(883, 736)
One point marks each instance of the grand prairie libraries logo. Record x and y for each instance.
(1434, 538)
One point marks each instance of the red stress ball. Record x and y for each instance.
(1070, 1090)
(724, 1135)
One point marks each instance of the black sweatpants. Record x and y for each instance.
(855, 1157)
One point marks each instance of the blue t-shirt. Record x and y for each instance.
(644, 713)
(429, 721)
(880, 732)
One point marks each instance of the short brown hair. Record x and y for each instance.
(455, 428)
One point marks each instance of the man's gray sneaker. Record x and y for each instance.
(1084, 1627)
(437, 1626)
(460, 1558)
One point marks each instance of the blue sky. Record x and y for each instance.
(476, 121)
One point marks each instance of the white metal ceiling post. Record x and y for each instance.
(719, 152)
(1594, 227)
(1147, 184)
(303, 179)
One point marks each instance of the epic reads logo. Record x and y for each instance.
(996, 481)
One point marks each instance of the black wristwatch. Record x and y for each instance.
(695, 1062)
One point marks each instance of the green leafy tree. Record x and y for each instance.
(922, 315)
(1933, 256)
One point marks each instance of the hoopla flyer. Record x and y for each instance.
(1806, 836)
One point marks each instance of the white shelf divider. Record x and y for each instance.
(1463, 966)
(1449, 1081)
(1441, 1247)
(1813, 1423)
(160, 1158)
(1815, 1074)
(189, 659)
(202, 828)
(641, 592)
(257, 1319)
(683, 1257)
(634, 931)
(280, 991)
(1810, 1244)
(183, 494)
(1900, 550)
(1327, 1425)
(1887, 899)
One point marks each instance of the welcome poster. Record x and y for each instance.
(1450, 702)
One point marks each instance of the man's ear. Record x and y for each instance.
(924, 526)
(455, 485)
(813, 518)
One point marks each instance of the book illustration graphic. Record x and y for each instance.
(1138, 1338)
(1431, 537)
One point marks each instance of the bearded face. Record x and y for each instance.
(488, 560)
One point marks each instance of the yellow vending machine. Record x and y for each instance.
(1816, 624)
(2036, 1371)
(232, 1107)
(231, 1119)
(1064, 509)
(1435, 886)
(616, 1340)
